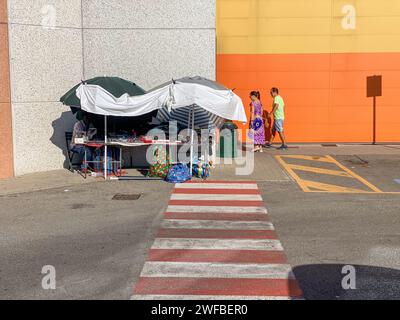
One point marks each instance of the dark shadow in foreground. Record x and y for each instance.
(324, 282)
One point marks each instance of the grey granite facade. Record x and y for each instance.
(56, 43)
(149, 57)
(45, 61)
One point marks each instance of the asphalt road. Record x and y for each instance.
(98, 246)
(321, 233)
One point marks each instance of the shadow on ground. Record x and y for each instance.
(324, 282)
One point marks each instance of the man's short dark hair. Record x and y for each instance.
(276, 90)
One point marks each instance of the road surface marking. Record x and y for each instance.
(215, 224)
(216, 191)
(227, 256)
(326, 187)
(216, 233)
(216, 270)
(238, 287)
(243, 197)
(310, 158)
(216, 245)
(293, 174)
(226, 186)
(216, 216)
(356, 176)
(315, 186)
(205, 297)
(216, 209)
(223, 203)
(322, 171)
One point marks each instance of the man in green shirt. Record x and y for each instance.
(278, 110)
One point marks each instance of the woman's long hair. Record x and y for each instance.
(256, 94)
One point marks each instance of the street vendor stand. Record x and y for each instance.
(187, 94)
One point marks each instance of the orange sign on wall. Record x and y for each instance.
(318, 53)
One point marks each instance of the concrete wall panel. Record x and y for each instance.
(149, 14)
(45, 63)
(149, 57)
(39, 144)
(56, 43)
(58, 13)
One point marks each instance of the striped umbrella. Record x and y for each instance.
(202, 118)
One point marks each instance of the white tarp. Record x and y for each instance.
(225, 104)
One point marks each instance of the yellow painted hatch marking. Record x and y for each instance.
(315, 186)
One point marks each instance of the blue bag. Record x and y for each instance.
(179, 173)
(201, 170)
(257, 124)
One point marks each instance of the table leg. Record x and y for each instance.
(85, 163)
(120, 161)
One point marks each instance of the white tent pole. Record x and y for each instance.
(207, 158)
(189, 123)
(192, 141)
(105, 147)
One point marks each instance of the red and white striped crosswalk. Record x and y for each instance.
(216, 243)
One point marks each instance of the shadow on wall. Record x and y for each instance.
(267, 125)
(64, 123)
(324, 282)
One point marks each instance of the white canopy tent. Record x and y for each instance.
(221, 103)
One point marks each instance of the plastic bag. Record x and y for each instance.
(179, 173)
(162, 164)
(201, 170)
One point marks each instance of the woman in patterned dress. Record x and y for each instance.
(256, 121)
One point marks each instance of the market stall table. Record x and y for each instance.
(120, 145)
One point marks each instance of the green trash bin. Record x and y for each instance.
(228, 141)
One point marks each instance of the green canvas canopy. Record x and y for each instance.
(114, 85)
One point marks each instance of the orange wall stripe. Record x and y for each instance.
(325, 94)
(6, 144)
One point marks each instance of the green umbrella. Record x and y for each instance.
(114, 85)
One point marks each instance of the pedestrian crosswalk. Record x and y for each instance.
(215, 243)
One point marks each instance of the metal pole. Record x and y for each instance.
(207, 158)
(192, 141)
(120, 161)
(105, 148)
(374, 121)
(85, 163)
(189, 119)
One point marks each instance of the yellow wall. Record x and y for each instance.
(321, 67)
(306, 26)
